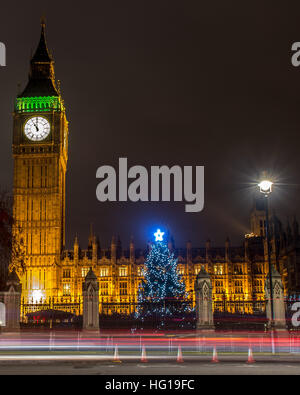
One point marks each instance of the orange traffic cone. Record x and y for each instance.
(116, 356)
(250, 356)
(144, 358)
(215, 356)
(179, 355)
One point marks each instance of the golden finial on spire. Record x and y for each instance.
(43, 21)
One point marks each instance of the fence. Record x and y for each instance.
(240, 306)
(74, 306)
(69, 305)
(225, 311)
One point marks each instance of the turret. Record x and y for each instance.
(13, 282)
(119, 248)
(76, 250)
(113, 250)
(132, 250)
(227, 249)
(91, 237)
(188, 251)
(246, 244)
(95, 250)
(258, 215)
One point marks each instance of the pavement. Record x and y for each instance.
(131, 365)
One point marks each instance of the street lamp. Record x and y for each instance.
(265, 187)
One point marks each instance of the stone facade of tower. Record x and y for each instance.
(40, 139)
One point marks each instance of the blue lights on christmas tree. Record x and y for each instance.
(162, 291)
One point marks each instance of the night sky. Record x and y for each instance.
(166, 82)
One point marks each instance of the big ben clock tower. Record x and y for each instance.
(40, 139)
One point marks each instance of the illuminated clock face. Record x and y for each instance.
(37, 128)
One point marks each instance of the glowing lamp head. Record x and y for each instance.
(159, 235)
(265, 187)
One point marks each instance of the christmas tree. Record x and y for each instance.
(162, 292)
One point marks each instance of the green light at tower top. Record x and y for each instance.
(41, 103)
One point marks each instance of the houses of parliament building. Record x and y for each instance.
(52, 276)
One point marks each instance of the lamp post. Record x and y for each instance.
(265, 187)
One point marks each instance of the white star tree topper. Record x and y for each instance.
(159, 235)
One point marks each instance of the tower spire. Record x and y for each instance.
(41, 77)
(42, 53)
(91, 235)
(43, 21)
